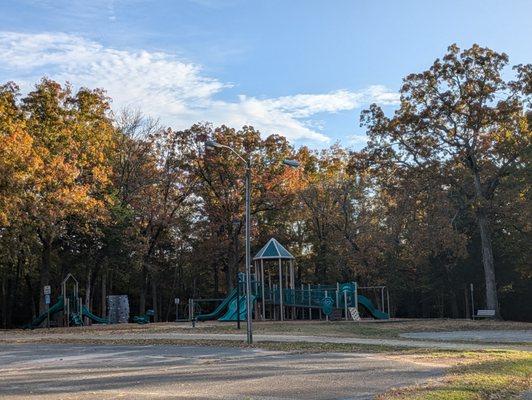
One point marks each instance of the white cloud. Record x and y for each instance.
(358, 139)
(173, 89)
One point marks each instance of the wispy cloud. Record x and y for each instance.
(357, 139)
(176, 90)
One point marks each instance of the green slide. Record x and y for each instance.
(99, 320)
(219, 310)
(231, 314)
(376, 313)
(58, 306)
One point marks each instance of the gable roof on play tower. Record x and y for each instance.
(273, 250)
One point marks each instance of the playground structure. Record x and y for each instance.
(70, 305)
(274, 295)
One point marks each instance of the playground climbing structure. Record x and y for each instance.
(276, 297)
(70, 305)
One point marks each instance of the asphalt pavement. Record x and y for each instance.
(60, 371)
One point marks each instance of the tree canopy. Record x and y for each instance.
(438, 199)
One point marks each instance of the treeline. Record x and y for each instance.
(439, 198)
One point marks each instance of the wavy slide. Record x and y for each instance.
(75, 319)
(232, 310)
(58, 306)
(376, 313)
(94, 318)
(220, 309)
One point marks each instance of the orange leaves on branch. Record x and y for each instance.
(55, 152)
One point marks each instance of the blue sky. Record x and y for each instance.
(301, 68)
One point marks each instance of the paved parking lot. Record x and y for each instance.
(46, 371)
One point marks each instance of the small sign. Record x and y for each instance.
(47, 290)
(176, 301)
(354, 313)
(47, 299)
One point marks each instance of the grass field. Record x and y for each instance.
(474, 376)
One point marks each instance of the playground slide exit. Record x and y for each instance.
(220, 309)
(232, 310)
(368, 305)
(59, 306)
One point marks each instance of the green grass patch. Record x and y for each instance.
(482, 375)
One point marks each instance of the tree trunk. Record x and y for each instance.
(215, 279)
(46, 260)
(142, 300)
(492, 302)
(104, 293)
(454, 304)
(12, 292)
(4, 304)
(154, 299)
(466, 303)
(27, 278)
(452, 293)
(88, 293)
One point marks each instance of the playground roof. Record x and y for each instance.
(273, 250)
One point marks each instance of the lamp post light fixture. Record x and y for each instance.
(211, 144)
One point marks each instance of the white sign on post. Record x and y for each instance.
(354, 313)
(47, 299)
(176, 301)
(47, 290)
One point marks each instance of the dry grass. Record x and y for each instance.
(291, 347)
(364, 329)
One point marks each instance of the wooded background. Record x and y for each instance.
(438, 199)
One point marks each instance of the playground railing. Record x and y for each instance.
(312, 297)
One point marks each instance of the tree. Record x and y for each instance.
(154, 182)
(220, 189)
(74, 137)
(461, 110)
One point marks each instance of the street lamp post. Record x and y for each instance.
(292, 163)
(248, 254)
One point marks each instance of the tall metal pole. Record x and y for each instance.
(291, 163)
(248, 254)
